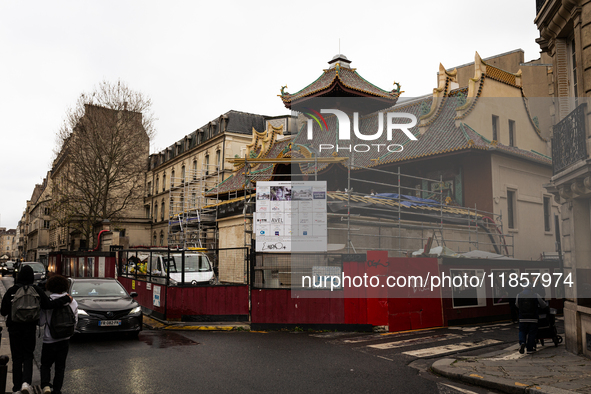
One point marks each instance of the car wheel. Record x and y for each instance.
(134, 334)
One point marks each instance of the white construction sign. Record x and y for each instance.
(291, 217)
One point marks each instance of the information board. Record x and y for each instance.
(291, 216)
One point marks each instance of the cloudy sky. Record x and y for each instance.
(198, 59)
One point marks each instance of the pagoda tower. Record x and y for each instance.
(339, 80)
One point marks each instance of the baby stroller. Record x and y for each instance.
(547, 326)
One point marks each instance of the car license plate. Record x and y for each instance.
(109, 323)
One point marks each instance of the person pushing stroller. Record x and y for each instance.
(529, 303)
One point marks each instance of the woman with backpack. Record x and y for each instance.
(21, 306)
(59, 325)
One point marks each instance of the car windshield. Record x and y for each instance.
(193, 263)
(37, 267)
(98, 289)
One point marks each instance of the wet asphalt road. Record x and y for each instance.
(273, 362)
(231, 362)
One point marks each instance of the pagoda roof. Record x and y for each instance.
(340, 80)
(442, 130)
(441, 138)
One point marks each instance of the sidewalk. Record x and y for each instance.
(550, 370)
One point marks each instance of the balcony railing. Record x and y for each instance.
(539, 5)
(569, 142)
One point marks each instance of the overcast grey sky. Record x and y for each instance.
(197, 59)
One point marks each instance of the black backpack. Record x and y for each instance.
(63, 322)
(26, 305)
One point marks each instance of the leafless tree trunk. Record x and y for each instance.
(101, 159)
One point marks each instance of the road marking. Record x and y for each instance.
(376, 337)
(386, 358)
(510, 356)
(416, 330)
(409, 342)
(434, 351)
(458, 389)
(200, 328)
(330, 335)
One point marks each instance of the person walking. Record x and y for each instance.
(512, 293)
(55, 350)
(22, 333)
(528, 303)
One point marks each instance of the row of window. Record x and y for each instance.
(505, 285)
(183, 174)
(155, 239)
(495, 130)
(511, 211)
(190, 141)
(180, 207)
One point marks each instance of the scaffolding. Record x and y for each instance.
(397, 224)
(415, 217)
(192, 221)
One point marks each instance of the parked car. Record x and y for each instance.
(7, 268)
(39, 271)
(105, 306)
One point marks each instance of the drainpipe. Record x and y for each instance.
(99, 239)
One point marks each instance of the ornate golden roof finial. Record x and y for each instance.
(397, 90)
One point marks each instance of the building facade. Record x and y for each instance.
(480, 140)
(179, 176)
(87, 195)
(565, 36)
(8, 245)
(39, 219)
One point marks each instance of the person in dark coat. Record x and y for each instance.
(529, 303)
(513, 291)
(22, 335)
(55, 350)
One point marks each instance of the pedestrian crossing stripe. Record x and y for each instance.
(376, 337)
(456, 347)
(457, 389)
(415, 341)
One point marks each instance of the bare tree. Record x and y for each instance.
(101, 158)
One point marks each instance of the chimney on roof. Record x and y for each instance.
(341, 59)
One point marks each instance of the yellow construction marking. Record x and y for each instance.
(417, 330)
(260, 332)
(521, 384)
(153, 323)
(476, 376)
(199, 328)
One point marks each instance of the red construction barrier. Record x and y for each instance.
(276, 306)
(199, 303)
(407, 309)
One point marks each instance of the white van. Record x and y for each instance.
(198, 268)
